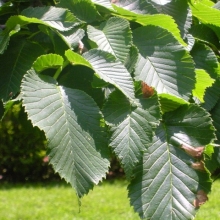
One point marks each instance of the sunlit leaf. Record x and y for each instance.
(71, 122)
(113, 36)
(131, 128)
(163, 63)
(165, 185)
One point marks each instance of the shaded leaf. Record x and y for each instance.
(15, 62)
(211, 96)
(111, 70)
(73, 37)
(205, 58)
(5, 37)
(163, 63)
(206, 15)
(215, 113)
(107, 68)
(113, 36)
(189, 124)
(205, 34)
(160, 20)
(71, 122)
(131, 128)
(164, 185)
(84, 10)
(179, 11)
(131, 59)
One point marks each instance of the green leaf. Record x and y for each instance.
(163, 63)
(111, 70)
(71, 122)
(211, 156)
(14, 63)
(205, 34)
(165, 185)
(84, 10)
(190, 41)
(137, 6)
(203, 81)
(103, 3)
(169, 103)
(73, 37)
(47, 61)
(7, 8)
(131, 128)
(5, 37)
(58, 41)
(107, 68)
(189, 124)
(160, 20)
(180, 12)
(58, 18)
(215, 113)
(206, 15)
(131, 59)
(212, 95)
(217, 5)
(205, 58)
(113, 36)
(76, 59)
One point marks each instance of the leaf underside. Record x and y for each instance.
(71, 122)
(131, 128)
(163, 63)
(165, 185)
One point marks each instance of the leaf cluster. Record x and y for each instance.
(138, 78)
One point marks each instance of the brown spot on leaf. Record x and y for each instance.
(194, 152)
(201, 198)
(198, 166)
(147, 91)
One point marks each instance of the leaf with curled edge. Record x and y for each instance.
(194, 152)
(199, 165)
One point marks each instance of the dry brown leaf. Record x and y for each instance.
(201, 198)
(198, 166)
(192, 151)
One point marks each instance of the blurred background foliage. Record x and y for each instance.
(23, 151)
